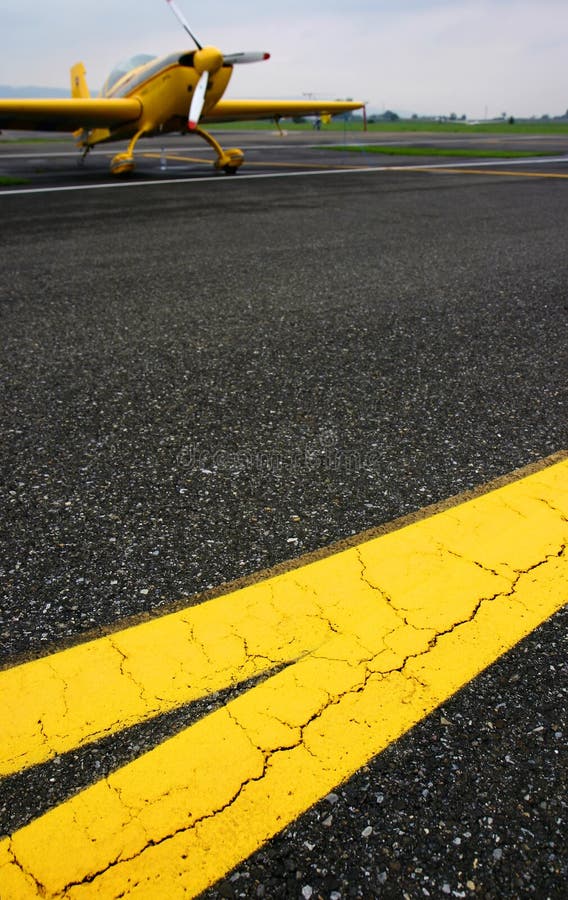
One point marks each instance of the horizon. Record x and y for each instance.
(481, 59)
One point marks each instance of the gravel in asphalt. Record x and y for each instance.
(200, 381)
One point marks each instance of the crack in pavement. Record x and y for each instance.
(374, 637)
(68, 773)
(270, 753)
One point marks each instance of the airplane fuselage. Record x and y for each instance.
(164, 88)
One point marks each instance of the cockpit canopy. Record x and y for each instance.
(123, 67)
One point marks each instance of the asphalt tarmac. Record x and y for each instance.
(52, 160)
(203, 377)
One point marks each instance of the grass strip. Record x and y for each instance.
(6, 142)
(475, 153)
(403, 126)
(8, 180)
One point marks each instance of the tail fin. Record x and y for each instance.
(79, 88)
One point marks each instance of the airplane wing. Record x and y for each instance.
(244, 110)
(67, 114)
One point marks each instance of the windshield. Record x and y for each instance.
(123, 67)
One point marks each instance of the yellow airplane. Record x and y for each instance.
(149, 96)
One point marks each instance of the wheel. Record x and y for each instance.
(230, 170)
(122, 164)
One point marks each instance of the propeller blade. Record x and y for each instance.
(233, 59)
(197, 102)
(181, 19)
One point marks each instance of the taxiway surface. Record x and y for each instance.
(56, 162)
(204, 378)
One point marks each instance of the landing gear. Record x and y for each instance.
(229, 161)
(236, 157)
(83, 156)
(123, 163)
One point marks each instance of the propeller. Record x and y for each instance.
(233, 59)
(197, 102)
(207, 61)
(181, 19)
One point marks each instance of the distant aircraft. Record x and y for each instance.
(148, 96)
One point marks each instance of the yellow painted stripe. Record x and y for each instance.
(248, 163)
(305, 165)
(70, 699)
(176, 158)
(509, 173)
(383, 632)
(410, 168)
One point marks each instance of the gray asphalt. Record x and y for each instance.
(53, 160)
(202, 379)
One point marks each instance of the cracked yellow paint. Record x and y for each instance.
(378, 636)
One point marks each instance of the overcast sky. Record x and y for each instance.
(423, 56)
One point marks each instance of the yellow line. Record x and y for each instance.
(175, 158)
(303, 165)
(320, 166)
(248, 163)
(510, 173)
(381, 633)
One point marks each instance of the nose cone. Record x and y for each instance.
(208, 59)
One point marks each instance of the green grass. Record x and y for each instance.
(418, 125)
(7, 180)
(34, 140)
(394, 150)
(404, 126)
